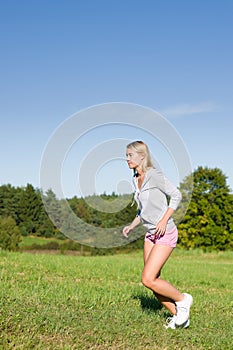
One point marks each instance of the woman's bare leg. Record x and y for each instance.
(155, 257)
(167, 302)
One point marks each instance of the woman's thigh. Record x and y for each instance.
(156, 256)
(147, 249)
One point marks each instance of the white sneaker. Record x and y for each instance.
(171, 323)
(183, 309)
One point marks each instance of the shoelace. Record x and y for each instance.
(182, 308)
(169, 320)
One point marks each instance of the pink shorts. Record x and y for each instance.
(169, 238)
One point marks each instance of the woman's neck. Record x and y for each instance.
(139, 171)
(140, 175)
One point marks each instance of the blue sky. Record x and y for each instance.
(59, 57)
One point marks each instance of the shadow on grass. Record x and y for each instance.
(148, 304)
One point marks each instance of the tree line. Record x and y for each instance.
(207, 223)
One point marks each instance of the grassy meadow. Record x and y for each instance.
(70, 302)
(29, 240)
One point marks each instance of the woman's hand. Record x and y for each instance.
(162, 224)
(126, 230)
(161, 227)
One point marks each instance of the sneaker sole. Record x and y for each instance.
(184, 325)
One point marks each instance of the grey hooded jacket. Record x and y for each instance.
(152, 199)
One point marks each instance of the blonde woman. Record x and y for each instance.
(155, 213)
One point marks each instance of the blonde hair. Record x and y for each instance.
(141, 148)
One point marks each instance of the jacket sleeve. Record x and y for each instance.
(173, 192)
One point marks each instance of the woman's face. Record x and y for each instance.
(133, 158)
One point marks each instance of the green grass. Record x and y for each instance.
(29, 240)
(67, 302)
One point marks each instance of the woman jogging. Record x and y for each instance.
(155, 213)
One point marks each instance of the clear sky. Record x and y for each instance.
(59, 57)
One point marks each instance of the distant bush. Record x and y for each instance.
(10, 236)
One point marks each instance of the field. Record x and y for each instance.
(69, 302)
(29, 240)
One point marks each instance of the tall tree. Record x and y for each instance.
(9, 201)
(30, 205)
(46, 227)
(53, 207)
(208, 222)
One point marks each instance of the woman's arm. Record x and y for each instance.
(175, 197)
(162, 224)
(130, 227)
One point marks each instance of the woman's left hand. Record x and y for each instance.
(161, 227)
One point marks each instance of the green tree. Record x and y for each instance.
(9, 201)
(54, 208)
(208, 222)
(9, 234)
(30, 206)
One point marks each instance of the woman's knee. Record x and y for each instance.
(146, 280)
(149, 281)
